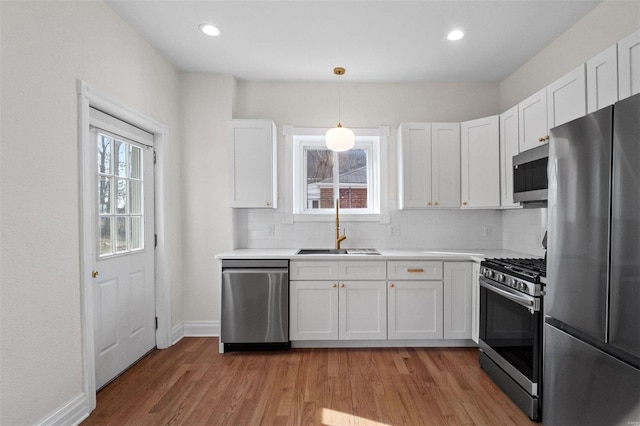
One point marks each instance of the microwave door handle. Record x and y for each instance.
(523, 300)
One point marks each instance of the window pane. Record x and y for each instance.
(104, 195)
(104, 154)
(121, 234)
(135, 162)
(352, 167)
(319, 177)
(136, 238)
(106, 246)
(121, 192)
(135, 197)
(120, 158)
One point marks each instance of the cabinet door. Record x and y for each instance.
(475, 303)
(602, 79)
(414, 165)
(445, 164)
(415, 310)
(252, 164)
(508, 148)
(629, 65)
(313, 312)
(480, 162)
(567, 98)
(532, 121)
(457, 300)
(363, 310)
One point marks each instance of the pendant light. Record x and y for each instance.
(339, 138)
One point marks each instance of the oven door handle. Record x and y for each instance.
(521, 299)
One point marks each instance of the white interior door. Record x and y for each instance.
(124, 283)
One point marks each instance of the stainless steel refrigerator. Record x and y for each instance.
(592, 317)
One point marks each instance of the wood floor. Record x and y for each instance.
(192, 384)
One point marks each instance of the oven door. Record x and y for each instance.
(511, 332)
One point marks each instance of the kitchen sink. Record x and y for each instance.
(339, 251)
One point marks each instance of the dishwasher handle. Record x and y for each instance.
(255, 271)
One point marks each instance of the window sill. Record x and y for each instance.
(381, 218)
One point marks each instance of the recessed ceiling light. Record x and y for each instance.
(210, 30)
(455, 35)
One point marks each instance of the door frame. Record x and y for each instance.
(89, 96)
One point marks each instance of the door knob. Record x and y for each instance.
(94, 274)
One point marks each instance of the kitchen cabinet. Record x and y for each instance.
(508, 148)
(532, 121)
(475, 303)
(567, 98)
(480, 162)
(428, 165)
(253, 178)
(457, 300)
(338, 300)
(415, 300)
(602, 79)
(629, 65)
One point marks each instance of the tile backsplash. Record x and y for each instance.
(518, 230)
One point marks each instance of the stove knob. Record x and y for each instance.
(523, 287)
(501, 278)
(491, 274)
(513, 282)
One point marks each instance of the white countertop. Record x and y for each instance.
(385, 254)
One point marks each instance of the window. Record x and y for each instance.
(322, 176)
(120, 200)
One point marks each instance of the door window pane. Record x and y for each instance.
(120, 196)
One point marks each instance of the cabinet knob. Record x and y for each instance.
(268, 204)
(429, 203)
(334, 285)
(342, 285)
(94, 274)
(436, 203)
(540, 139)
(546, 138)
(392, 285)
(464, 203)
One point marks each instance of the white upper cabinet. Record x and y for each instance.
(602, 79)
(253, 167)
(532, 121)
(629, 65)
(428, 165)
(567, 98)
(480, 162)
(445, 164)
(508, 148)
(414, 165)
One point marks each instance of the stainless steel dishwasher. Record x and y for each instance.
(255, 304)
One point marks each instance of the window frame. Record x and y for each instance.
(372, 139)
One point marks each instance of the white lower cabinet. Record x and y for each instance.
(415, 309)
(313, 310)
(362, 307)
(475, 303)
(457, 300)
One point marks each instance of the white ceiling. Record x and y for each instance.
(376, 41)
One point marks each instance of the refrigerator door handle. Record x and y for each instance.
(521, 299)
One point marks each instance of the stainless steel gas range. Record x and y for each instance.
(511, 327)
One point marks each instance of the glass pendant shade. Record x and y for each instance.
(340, 138)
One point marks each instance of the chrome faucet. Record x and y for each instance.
(339, 238)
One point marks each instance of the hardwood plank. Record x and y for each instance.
(192, 384)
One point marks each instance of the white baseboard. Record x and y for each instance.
(71, 413)
(195, 329)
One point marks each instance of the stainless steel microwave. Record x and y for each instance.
(530, 180)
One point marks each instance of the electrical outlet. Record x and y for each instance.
(271, 229)
(394, 230)
(486, 231)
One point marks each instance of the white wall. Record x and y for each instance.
(367, 105)
(46, 47)
(607, 23)
(206, 105)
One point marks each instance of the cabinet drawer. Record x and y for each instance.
(362, 270)
(414, 270)
(313, 270)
